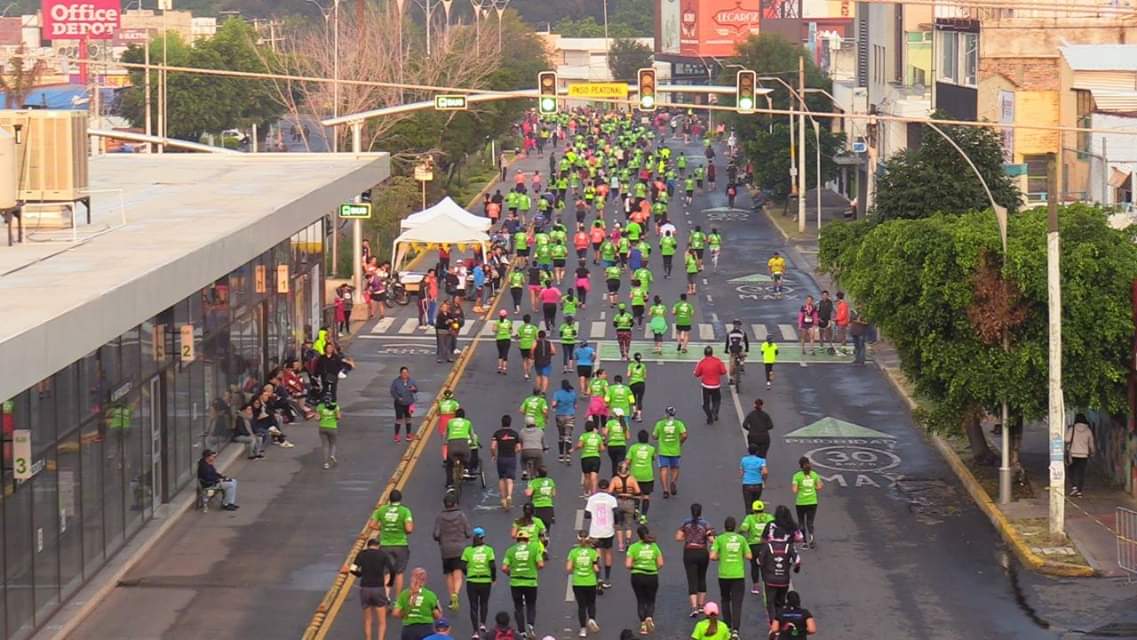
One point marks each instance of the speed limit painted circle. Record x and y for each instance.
(845, 458)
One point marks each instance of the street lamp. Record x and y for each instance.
(480, 8)
(799, 175)
(499, 8)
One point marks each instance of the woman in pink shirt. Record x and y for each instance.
(550, 297)
(807, 321)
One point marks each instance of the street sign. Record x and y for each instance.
(860, 147)
(351, 211)
(450, 103)
(424, 173)
(22, 454)
(614, 90)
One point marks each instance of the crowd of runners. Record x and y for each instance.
(604, 208)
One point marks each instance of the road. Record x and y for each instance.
(902, 550)
(898, 536)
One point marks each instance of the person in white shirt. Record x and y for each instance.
(601, 513)
(667, 226)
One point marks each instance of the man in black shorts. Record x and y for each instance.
(373, 567)
(503, 450)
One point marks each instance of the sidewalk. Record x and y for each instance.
(1091, 548)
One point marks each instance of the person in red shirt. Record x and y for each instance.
(710, 371)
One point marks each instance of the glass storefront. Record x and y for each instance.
(119, 431)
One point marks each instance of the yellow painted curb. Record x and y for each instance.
(1002, 524)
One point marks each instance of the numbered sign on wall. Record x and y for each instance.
(185, 344)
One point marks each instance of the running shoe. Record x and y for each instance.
(592, 626)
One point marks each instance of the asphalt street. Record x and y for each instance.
(901, 550)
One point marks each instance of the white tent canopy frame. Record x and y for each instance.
(444, 223)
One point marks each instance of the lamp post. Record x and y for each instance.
(499, 7)
(797, 180)
(480, 7)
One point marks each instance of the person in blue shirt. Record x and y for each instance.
(479, 286)
(564, 406)
(441, 630)
(585, 358)
(753, 470)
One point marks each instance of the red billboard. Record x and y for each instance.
(81, 19)
(714, 28)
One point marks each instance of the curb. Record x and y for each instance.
(1021, 549)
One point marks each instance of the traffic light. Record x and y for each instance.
(745, 91)
(547, 92)
(647, 89)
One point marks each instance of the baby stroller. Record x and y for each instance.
(474, 469)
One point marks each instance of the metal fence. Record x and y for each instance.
(1127, 540)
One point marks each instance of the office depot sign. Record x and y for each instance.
(79, 19)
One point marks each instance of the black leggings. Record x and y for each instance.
(731, 592)
(616, 454)
(585, 603)
(667, 264)
(638, 394)
(750, 493)
(479, 595)
(645, 587)
(568, 350)
(712, 400)
(695, 562)
(524, 605)
(582, 295)
(503, 349)
(755, 565)
(550, 312)
(775, 601)
(806, 513)
(516, 293)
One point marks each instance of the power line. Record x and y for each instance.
(1028, 6)
(627, 102)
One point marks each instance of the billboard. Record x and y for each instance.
(714, 28)
(667, 40)
(81, 19)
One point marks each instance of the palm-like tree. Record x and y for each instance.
(17, 78)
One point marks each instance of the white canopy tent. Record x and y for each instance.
(445, 223)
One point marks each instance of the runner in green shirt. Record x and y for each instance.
(329, 413)
(522, 563)
(806, 484)
(516, 288)
(583, 565)
(671, 433)
(714, 243)
(608, 252)
(619, 396)
(657, 322)
(732, 553)
(536, 406)
(711, 628)
(612, 275)
(645, 276)
(590, 444)
(598, 385)
(394, 522)
(644, 560)
(752, 527)
(417, 605)
(569, 331)
(684, 313)
(526, 338)
(503, 336)
(638, 295)
(691, 265)
(667, 247)
(637, 382)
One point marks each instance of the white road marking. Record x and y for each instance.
(706, 331)
(490, 328)
(465, 330)
(569, 596)
(759, 332)
(578, 524)
(709, 299)
(603, 315)
(714, 317)
(383, 325)
(788, 331)
(704, 281)
(738, 410)
(597, 330)
(409, 326)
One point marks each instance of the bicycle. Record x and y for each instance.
(737, 368)
(396, 293)
(457, 475)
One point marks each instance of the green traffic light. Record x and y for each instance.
(647, 102)
(548, 105)
(745, 104)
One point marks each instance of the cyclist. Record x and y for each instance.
(523, 563)
(583, 565)
(644, 560)
(447, 408)
(479, 565)
(777, 266)
(459, 436)
(732, 553)
(624, 321)
(696, 535)
(714, 243)
(684, 313)
(752, 527)
(738, 346)
(671, 434)
(590, 444)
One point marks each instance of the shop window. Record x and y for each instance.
(971, 59)
(45, 537)
(1037, 176)
(949, 56)
(70, 522)
(41, 415)
(91, 505)
(18, 576)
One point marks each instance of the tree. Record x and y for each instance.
(589, 27)
(941, 290)
(626, 56)
(766, 139)
(199, 104)
(934, 178)
(17, 78)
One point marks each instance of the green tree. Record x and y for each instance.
(199, 104)
(637, 15)
(18, 78)
(589, 27)
(626, 56)
(941, 291)
(934, 178)
(766, 139)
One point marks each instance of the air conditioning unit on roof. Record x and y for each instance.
(51, 153)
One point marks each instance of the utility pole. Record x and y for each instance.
(149, 115)
(357, 224)
(801, 145)
(335, 72)
(1056, 414)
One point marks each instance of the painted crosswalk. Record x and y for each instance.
(594, 330)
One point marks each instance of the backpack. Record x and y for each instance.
(777, 563)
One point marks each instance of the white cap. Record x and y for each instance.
(530, 420)
(618, 412)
